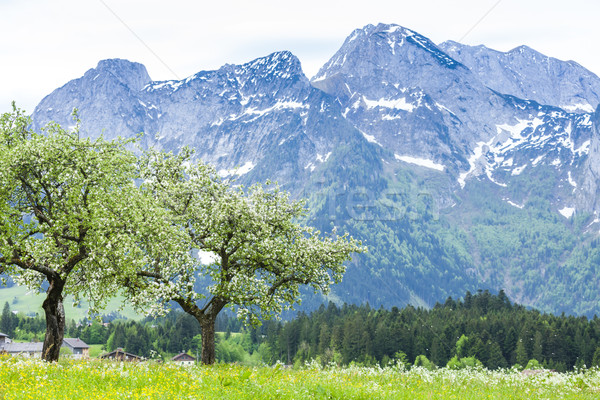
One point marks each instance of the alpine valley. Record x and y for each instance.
(461, 168)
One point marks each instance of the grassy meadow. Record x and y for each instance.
(29, 302)
(34, 379)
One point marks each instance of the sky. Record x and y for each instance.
(45, 44)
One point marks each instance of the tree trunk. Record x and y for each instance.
(55, 320)
(206, 317)
(208, 341)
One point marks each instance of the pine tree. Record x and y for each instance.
(480, 351)
(353, 338)
(97, 333)
(509, 345)
(496, 359)
(537, 346)
(462, 346)
(596, 358)
(521, 354)
(324, 339)
(438, 353)
(134, 342)
(7, 325)
(120, 337)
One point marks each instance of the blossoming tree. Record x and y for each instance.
(259, 253)
(68, 212)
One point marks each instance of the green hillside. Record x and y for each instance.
(29, 302)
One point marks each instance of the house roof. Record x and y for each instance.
(3, 334)
(33, 347)
(75, 343)
(120, 353)
(183, 357)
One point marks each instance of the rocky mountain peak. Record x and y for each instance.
(528, 74)
(523, 49)
(131, 74)
(384, 46)
(278, 65)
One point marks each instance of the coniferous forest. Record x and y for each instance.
(479, 329)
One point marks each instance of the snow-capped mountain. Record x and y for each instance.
(262, 118)
(481, 158)
(405, 94)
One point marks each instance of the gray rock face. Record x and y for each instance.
(260, 119)
(130, 74)
(407, 95)
(107, 100)
(528, 74)
(402, 92)
(589, 196)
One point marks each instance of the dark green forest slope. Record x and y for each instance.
(480, 328)
(427, 243)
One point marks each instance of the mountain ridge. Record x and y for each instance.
(564, 84)
(453, 184)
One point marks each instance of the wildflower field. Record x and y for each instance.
(34, 379)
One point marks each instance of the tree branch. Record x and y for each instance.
(154, 275)
(25, 265)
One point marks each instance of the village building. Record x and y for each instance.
(3, 339)
(78, 348)
(184, 359)
(121, 355)
(29, 350)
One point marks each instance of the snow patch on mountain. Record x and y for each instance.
(239, 171)
(571, 181)
(442, 107)
(171, 85)
(567, 212)
(583, 149)
(477, 153)
(581, 107)
(518, 170)
(516, 132)
(542, 137)
(280, 105)
(422, 162)
(512, 203)
(323, 158)
(537, 160)
(370, 138)
(397, 104)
